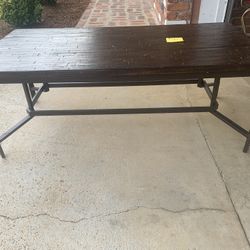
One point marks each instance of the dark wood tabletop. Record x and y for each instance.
(123, 53)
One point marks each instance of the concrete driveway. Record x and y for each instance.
(171, 181)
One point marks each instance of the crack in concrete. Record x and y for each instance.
(114, 213)
(225, 184)
(219, 171)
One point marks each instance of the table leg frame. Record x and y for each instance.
(247, 144)
(32, 89)
(32, 95)
(12, 130)
(2, 152)
(203, 84)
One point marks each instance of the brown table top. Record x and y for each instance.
(123, 53)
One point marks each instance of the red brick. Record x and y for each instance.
(119, 13)
(178, 6)
(171, 15)
(184, 15)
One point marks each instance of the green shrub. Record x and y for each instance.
(20, 12)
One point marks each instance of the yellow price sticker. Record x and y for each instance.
(174, 39)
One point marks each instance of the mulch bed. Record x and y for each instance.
(4, 29)
(66, 13)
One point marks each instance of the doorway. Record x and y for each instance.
(211, 11)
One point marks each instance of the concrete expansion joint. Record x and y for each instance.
(224, 182)
(187, 210)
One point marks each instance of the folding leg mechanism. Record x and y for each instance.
(33, 93)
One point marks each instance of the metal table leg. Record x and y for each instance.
(32, 90)
(247, 145)
(212, 94)
(2, 153)
(26, 119)
(203, 84)
(12, 130)
(229, 122)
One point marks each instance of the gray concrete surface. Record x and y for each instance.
(172, 181)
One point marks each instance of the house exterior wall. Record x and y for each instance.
(173, 11)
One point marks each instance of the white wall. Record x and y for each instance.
(212, 11)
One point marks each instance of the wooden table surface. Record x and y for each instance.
(123, 53)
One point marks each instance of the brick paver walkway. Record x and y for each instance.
(102, 13)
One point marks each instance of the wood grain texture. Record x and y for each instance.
(123, 53)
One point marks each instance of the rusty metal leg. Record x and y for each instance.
(247, 145)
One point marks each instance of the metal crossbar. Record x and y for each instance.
(159, 110)
(32, 95)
